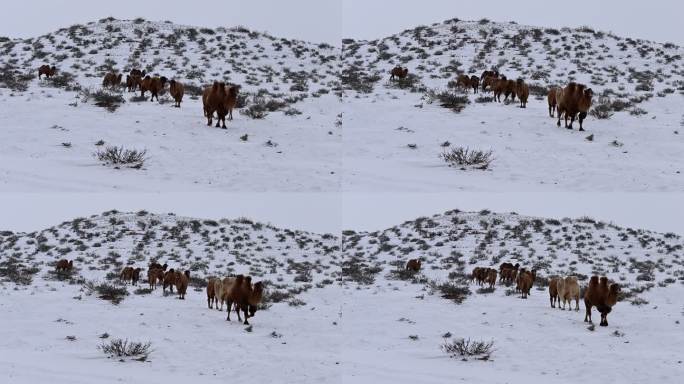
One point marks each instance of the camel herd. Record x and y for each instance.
(219, 98)
(237, 292)
(572, 102)
(598, 293)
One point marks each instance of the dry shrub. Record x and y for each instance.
(464, 157)
(468, 348)
(120, 156)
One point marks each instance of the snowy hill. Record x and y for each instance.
(338, 309)
(635, 145)
(295, 335)
(414, 314)
(103, 244)
(285, 134)
(457, 241)
(551, 56)
(238, 55)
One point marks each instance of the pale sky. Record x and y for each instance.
(314, 212)
(312, 20)
(658, 20)
(329, 20)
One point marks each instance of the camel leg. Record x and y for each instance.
(247, 322)
(237, 310)
(229, 304)
(582, 116)
(587, 315)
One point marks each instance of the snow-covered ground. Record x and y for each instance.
(48, 133)
(190, 342)
(399, 320)
(532, 341)
(348, 314)
(294, 338)
(393, 137)
(339, 307)
(530, 152)
(184, 154)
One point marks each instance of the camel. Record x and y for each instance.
(523, 92)
(181, 280)
(176, 89)
(398, 72)
(47, 70)
(572, 100)
(602, 296)
(111, 80)
(214, 100)
(413, 265)
(551, 98)
(155, 85)
(64, 265)
(475, 83)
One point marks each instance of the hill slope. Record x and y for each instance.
(405, 318)
(637, 84)
(294, 337)
(338, 308)
(284, 136)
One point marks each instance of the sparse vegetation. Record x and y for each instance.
(126, 349)
(466, 348)
(448, 99)
(106, 291)
(12, 78)
(15, 271)
(450, 290)
(122, 157)
(463, 158)
(109, 100)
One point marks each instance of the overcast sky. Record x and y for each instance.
(329, 20)
(314, 212)
(658, 20)
(313, 20)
